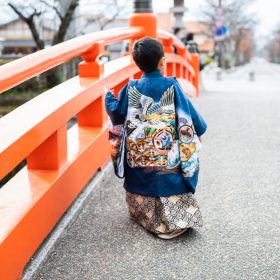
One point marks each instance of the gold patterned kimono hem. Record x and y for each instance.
(164, 214)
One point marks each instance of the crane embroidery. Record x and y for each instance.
(151, 129)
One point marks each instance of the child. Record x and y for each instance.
(162, 141)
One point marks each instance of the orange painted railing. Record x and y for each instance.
(59, 161)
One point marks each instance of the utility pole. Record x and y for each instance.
(219, 23)
(220, 44)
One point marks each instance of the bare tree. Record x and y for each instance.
(33, 13)
(59, 14)
(29, 19)
(30, 12)
(272, 48)
(236, 19)
(101, 14)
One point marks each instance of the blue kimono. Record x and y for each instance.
(162, 130)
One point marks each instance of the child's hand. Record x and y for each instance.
(107, 88)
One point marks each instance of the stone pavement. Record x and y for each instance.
(238, 192)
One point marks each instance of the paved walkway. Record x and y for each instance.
(239, 194)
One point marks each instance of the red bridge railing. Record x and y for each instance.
(61, 161)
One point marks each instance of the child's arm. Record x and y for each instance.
(184, 105)
(190, 128)
(198, 122)
(116, 108)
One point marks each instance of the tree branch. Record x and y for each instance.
(21, 15)
(102, 25)
(31, 24)
(52, 7)
(65, 23)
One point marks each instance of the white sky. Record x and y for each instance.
(267, 11)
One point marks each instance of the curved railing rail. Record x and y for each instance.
(14, 73)
(59, 161)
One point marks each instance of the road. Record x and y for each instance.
(238, 192)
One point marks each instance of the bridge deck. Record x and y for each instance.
(239, 194)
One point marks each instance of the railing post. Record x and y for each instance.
(52, 153)
(167, 45)
(143, 16)
(92, 66)
(94, 114)
(195, 65)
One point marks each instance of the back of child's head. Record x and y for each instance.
(147, 53)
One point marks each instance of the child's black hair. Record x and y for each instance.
(147, 53)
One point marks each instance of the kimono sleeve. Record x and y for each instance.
(185, 107)
(190, 125)
(117, 108)
(117, 111)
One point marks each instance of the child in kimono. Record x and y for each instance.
(162, 140)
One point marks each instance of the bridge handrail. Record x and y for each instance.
(65, 101)
(60, 161)
(180, 47)
(20, 70)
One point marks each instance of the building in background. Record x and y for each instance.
(16, 38)
(201, 30)
(244, 46)
(272, 49)
(202, 35)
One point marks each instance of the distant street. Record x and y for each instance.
(238, 192)
(263, 72)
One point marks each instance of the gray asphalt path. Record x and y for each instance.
(238, 192)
